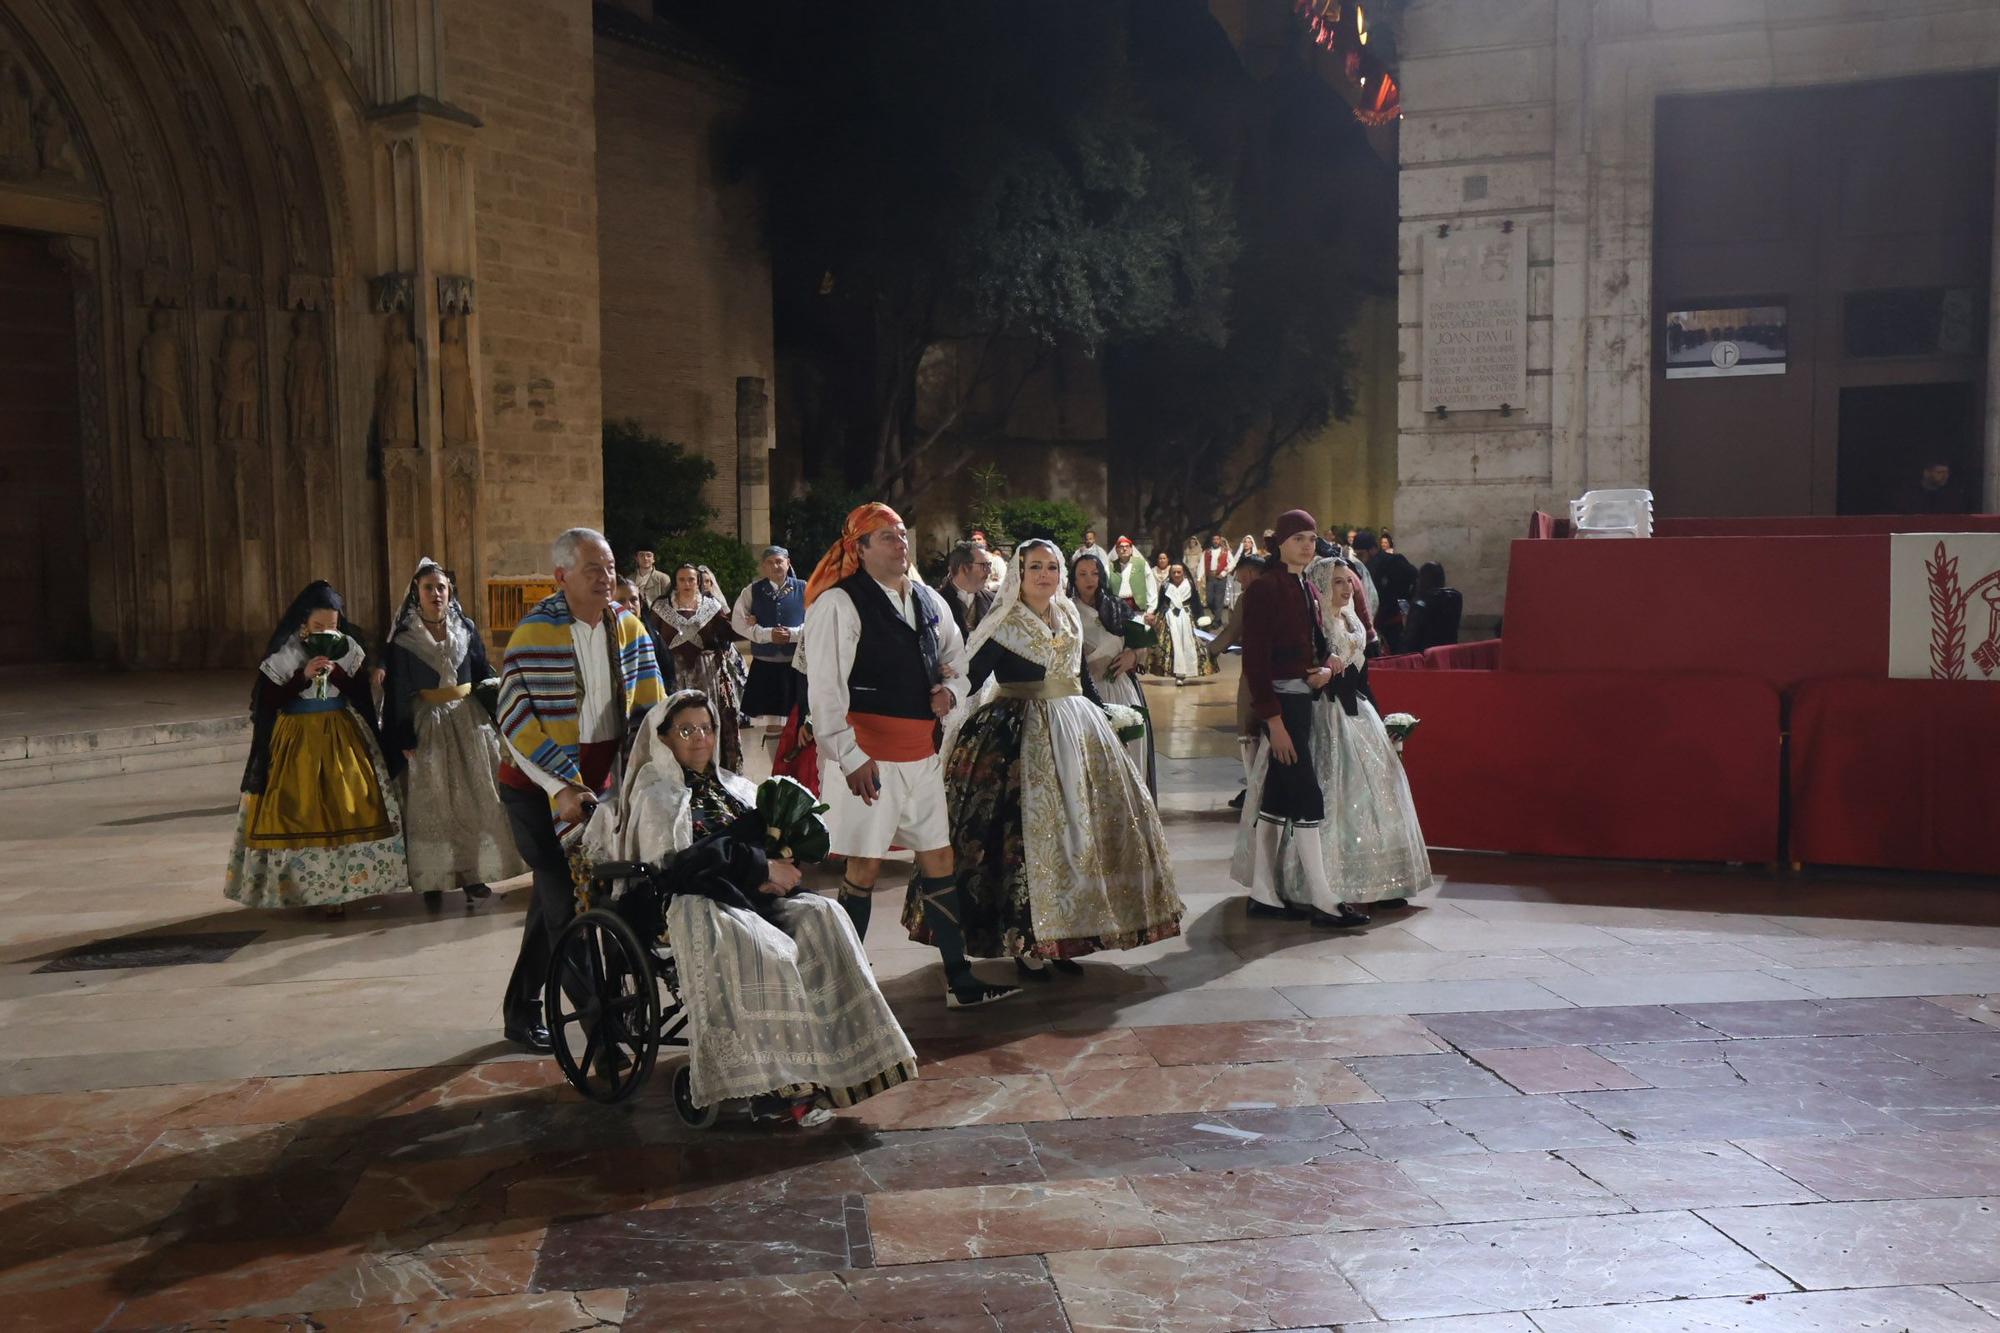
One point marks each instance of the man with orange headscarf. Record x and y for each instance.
(887, 664)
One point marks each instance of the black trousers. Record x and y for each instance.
(1291, 791)
(551, 908)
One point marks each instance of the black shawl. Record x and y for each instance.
(318, 596)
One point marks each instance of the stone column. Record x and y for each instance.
(754, 442)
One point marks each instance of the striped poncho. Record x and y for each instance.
(539, 684)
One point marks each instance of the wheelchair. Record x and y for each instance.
(612, 998)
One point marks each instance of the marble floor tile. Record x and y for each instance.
(1297, 1039)
(68, 1114)
(1208, 971)
(1626, 960)
(1536, 1069)
(1493, 1267)
(1474, 936)
(1887, 1166)
(1507, 1187)
(1971, 1054)
(1890, 1243)
(1420, 997)
(1462, 1323)
(649, 1247)
(1169, 1144)
(40, 1226)
(1835, 1061)
(1566, 1026)
(1985, 1295)
(1212, 1088)
(536, 1312)
(1522, 1124)
(1423, 1078)
(1907, 979)
(1512, 965)
(1822, 1018)
(1009, 1295)
(1232, 1287)
(1660, 1177)
(1979, 1008)
(1931, 1103)
(1398, 1130)
(991, 1221)
(930, 1103)
(1669, 1114)
(1674, 1064)
(51, 1164)
(1353, 1193)
(1878, 1310)
(1673, 988)
(1057, 1053)
(1205, 1006)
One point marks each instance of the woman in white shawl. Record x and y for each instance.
(1371, 843)
(782, 1006)
(440, 740)
(1181, 653)
(699, 640)
(1058, 845)
(1113, 666)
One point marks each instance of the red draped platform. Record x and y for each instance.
(1645, 688)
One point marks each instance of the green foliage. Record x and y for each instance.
(652, 490)
(1060, 521)
(808, 524)
(735, 564)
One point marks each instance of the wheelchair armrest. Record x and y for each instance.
(609, 870)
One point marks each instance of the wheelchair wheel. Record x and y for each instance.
(603, 1007)
(694, 1117)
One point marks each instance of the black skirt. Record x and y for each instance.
(772, 689)
(1291, 791)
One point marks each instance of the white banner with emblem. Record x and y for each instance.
(1944, 605)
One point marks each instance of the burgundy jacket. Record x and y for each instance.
(1282, 630)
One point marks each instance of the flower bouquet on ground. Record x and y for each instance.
(793, 828)
(1127, 721)
(1399, 726)
(330, 644)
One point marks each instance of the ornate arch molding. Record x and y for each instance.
(192, 151)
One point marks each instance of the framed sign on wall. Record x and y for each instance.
(1719, 341)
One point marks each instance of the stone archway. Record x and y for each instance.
(206, 169)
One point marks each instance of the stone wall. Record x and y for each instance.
(1541, 111)
(686, 278)
(524, 67)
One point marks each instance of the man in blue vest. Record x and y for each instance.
(769, 613)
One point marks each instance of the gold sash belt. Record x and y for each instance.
(1061, 688)
(444, 694)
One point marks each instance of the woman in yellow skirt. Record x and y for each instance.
(318, 825)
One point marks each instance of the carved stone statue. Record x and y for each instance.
(461, 403)
(236, 381)
(396, 391)
(53, 144)
(305, 382)
(18, 158)
(162, 418)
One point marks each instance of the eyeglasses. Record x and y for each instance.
(688, 733)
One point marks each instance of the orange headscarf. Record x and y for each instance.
(844, 556)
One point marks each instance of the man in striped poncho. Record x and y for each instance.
(578, 675)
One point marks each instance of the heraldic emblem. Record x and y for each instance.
(1951, 608)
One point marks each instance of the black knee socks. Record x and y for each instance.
(855, 898)
(941, 914)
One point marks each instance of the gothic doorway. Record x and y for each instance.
(45, 606)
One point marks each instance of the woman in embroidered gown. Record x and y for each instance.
(700, 638)
(1371, 843)
(732, 661)
(1248, 546)
(440, 740)
(782, 1003)
(1058, 846)
(1114, 668)
(1180, 653)
(318, 825)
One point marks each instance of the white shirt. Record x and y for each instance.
(833, 632)
(1092, 549)
(596, 711)
(744, 623)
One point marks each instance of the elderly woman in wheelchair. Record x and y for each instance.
(771, 984)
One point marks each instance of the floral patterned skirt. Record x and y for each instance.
(327, 828)
(985, 787)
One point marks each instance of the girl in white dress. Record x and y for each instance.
(1180, 654)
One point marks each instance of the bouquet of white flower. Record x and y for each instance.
(1399, 726)
(1127, 721)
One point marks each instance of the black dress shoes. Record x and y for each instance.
(1346, 919)
(534, 1036)
(1391, 904)
(1251, 907)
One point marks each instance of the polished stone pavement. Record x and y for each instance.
(1551, 1097)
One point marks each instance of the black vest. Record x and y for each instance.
(895, 667)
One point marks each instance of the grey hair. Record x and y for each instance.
(563, 553)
